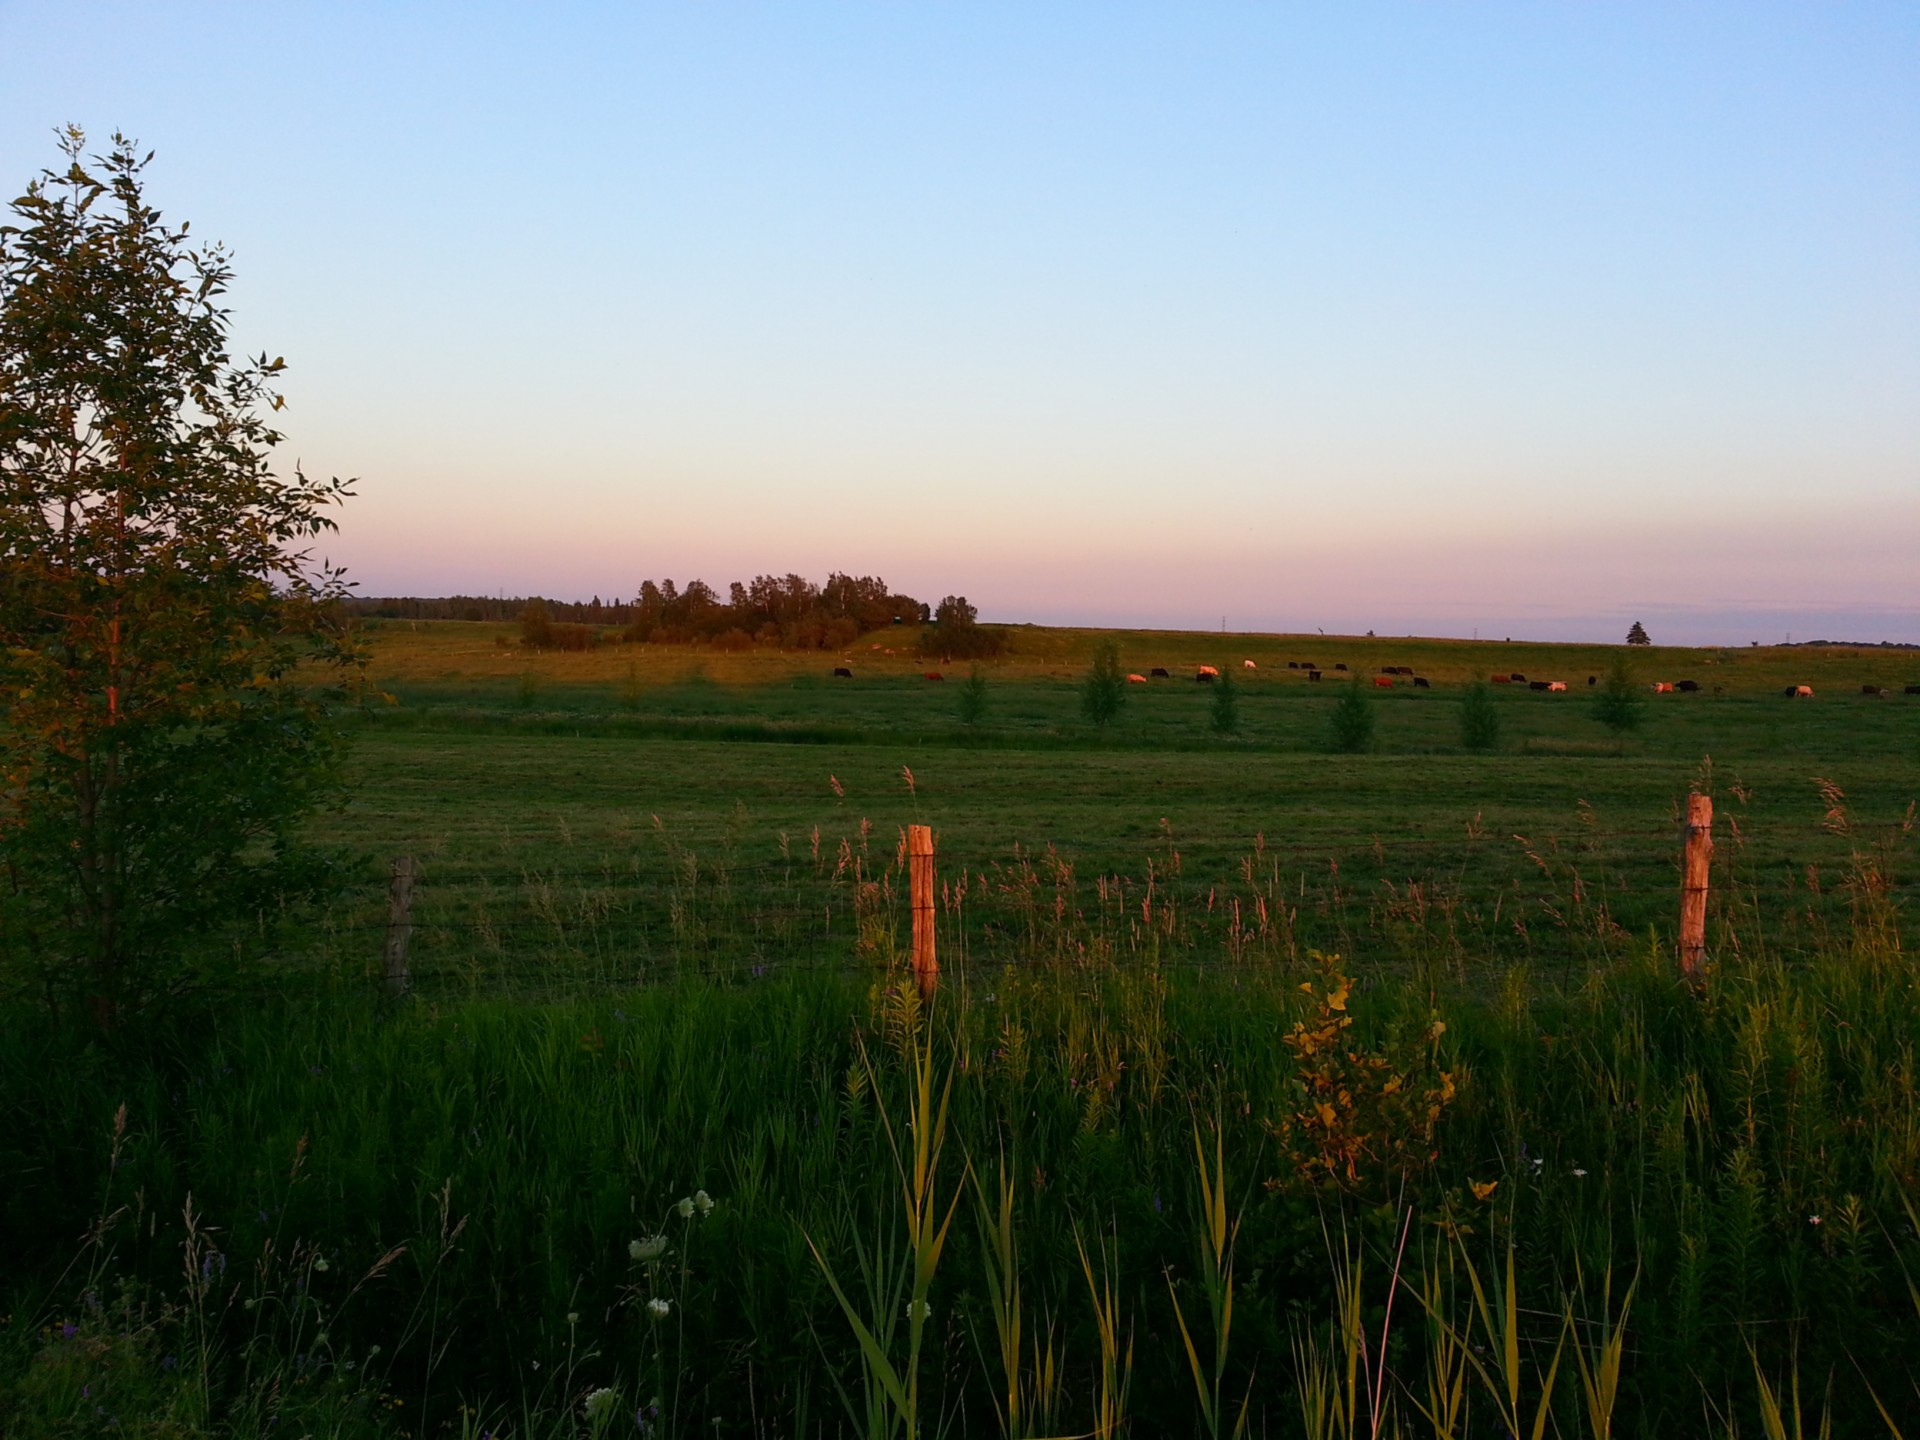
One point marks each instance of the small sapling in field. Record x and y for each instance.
(973, 698)
(1479, 721)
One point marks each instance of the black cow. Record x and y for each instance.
(1204, 678)
(1420, 683)
(1873, 690)
(1339, 667)
(1159, 672)
(1293, 664)
(1313, 674)
(1595, 680)
(1517, 678)
(1537, 684)
(841, 672)
(1913, 689)
(1688, 686)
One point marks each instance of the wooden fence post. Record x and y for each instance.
(1696, 862)
(926, 966)
(399, 925)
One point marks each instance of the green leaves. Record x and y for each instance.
(155, 752)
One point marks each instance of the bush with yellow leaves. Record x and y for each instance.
(1357, 1119)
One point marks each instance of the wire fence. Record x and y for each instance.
(582, 918)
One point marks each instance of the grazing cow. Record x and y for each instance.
(1913, 689)
(1420, 683)
(1385, 682)
(1248, 665)
(1517, 678)
(1207, 676)
(1501, 679)
(1159, 672)
(1339, 667)
(1313, 674)
(1873, 690)
(1593, 679)
(1536, 685)
(1558, 687)
(1687, 687)
(933, 675)
(1210, 671)
(1798, 692)
(1389, 669)
(1136, 679)
(1293, 664)
(1661, 687)
(841, 672)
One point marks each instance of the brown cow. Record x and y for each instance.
(1385, 682)
(933, 675)
(1136, 679)
(841, 672)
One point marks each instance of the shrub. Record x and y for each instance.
(1479, 720)
(1104, 692)
(1351, 728)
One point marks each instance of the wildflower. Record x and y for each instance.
(1813, 1220)
(702, 1201)
(320, 1339)
(600, 1403)
(372, 1350)
(1482, 1190)
(685, 1208)
(651, 1248)
(1578, 1173)
(320, 1263)
(573, 1317)
(918, 1310)
(658, 1308)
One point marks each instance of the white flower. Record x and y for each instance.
(601, 1402)
(702, 1201)
(921, 1306)
(320, 1339)
(685, 1208)
(658, 1308)
(573, 1317)
(1813, 1220)
(1578, 1173)
(320, 1263)
(651, 1248)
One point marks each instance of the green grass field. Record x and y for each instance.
(658, 953)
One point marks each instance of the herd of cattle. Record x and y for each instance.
(1390, 674)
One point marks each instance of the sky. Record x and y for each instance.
(1518, 319)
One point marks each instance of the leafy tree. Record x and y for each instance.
(1618, 703)
(1351, 728)
(1479, 720)
(162, 630)
(1104, 692)
(956, 632)
(1225, 711)
(1638, 635)
(536, 625)
(973, 698)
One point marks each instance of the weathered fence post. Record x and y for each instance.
(926, 966)
(399, 925)
(1696, 862)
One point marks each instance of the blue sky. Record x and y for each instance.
(1528, 319)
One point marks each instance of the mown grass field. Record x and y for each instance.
(658, 954)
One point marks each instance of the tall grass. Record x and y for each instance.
(460, 1185)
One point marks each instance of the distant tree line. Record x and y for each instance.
(486, 607)
(788, 612)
